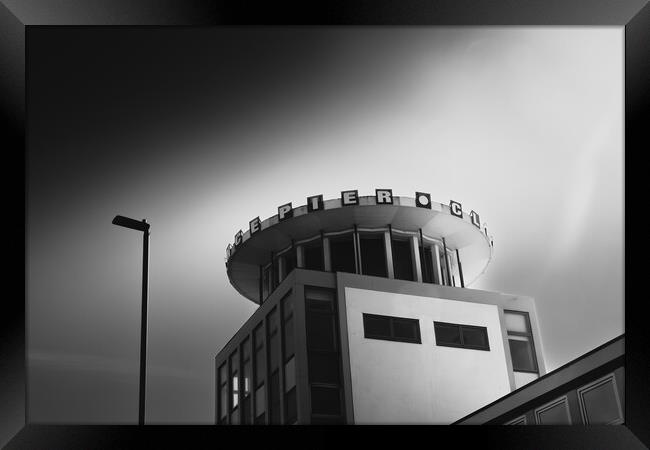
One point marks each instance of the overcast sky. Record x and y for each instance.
(200, 131)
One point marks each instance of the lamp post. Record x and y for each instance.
(144, 227)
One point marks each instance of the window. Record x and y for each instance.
(520, 340)
(260, 367)
(273, 339)
(290, 403)
(259, 375)
(313, 254)
(287, 328)
(442, 262)
(266, 282)
(288, 259)
(342, 253)
(391, 328)
(373, 255)
(518, 421)
(234, 387)
(599, 402)
(223, 394)
(274, 398)
(324, 359)
(246, 381)
(554, 413)
(402, 261)
(427, 264)
(463, 336)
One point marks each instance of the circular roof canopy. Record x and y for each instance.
(437, 222)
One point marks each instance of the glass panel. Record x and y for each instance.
(447, 334)
(246, 410)
(234, 366)
(475, 337)
(522, 355)
(376, 325)
(223, 375)
(342, 254)
(319, 295)
(515, 322)
(373, 255)
(288, 339)
(266, 282)
(402, 264)
(287, 311)
(260, 368)
(323, 367)
(291, 407)
(235, 390)
(313, 255)
(260, 401)
(601, 404)
(261, 419)
(320, 331)
(287, 307)
(246, 375)
(234, 417)
(555, 415)
(289, 261)
(223, 400)
(406, 329)
(427, 265)
(290, 374)
(325, 400)
(274, 397)
(274, 340)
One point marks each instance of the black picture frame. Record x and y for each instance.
(15, 24)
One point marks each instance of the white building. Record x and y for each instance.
(365, 317)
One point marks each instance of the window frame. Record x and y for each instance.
(460, 331)
(528, 334)
(391, 321)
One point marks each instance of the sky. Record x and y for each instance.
(201, 130)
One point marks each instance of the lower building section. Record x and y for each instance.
(333, 348)
(587, 391)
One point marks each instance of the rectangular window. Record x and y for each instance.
(260, 366)
(260, 405)
(426, 260)
(266, 282)
(599, 402)
(287, 327)
(462, 336)
(391, 328)
(402, 261)
(273, 339)
(289, 261)
(274, 398)
(520, 340)
(234, 386)
(373, 255)
(342, 253)
(554, 413)
(290, 405)
(223, 393)
(324, 360)
(313, 254)
(246, 380)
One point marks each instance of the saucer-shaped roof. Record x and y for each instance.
(245, 259)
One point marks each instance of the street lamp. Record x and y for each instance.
(144, 227)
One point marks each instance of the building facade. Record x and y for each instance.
(590, 390)
(365, 317)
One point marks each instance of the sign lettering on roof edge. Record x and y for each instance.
(351, 198)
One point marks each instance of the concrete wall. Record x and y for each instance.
(395, 382)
